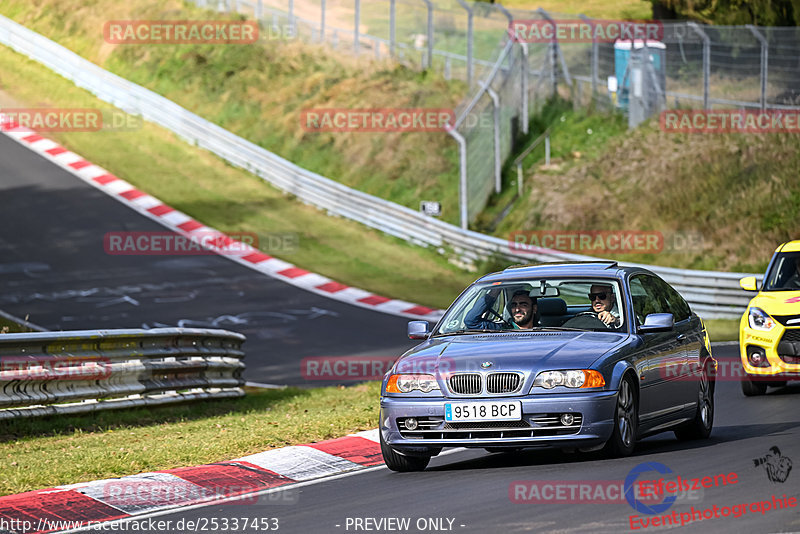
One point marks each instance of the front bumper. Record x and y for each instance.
(781, 347)
(596, 411)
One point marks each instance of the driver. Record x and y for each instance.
(523, 308)
(793, 281)
(601, 297)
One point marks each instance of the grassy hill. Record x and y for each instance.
(736, 196)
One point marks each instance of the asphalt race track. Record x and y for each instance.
(54, 269)
(471, 487)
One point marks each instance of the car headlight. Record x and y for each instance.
(584, 378)
(760, 320)
(408, 383)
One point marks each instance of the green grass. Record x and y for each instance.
(122, 442)
(232, 200)
(602, 9)
(260, 91)
(722, 329)
(736, 194)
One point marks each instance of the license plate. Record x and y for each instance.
(483, 411)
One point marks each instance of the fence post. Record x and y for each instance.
(462, 184)
(429, 38)
(498, 164)
(470, 23)
(291, 18)
(321, 22)
(260, 9)
(355, 28)
(392, 29)
(551, 54)
(764, 62)
(706, 61)
(525, 89)
(595, 54)
(547, 148)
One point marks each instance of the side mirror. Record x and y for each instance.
(418, 329)
(657, 322)
(748, 283)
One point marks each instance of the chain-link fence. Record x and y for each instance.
(685, 65)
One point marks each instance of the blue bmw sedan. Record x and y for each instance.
(582, 356)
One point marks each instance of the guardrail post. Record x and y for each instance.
(764, 63)
(470, 43)
(498, 164)
(357, 22)
(321, 21)
(706, 61)
(462, 183)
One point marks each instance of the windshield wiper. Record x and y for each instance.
(468, 331)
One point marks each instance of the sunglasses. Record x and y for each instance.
(601, 296)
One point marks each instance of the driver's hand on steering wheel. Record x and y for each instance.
(607, 318)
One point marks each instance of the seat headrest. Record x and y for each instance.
(552, 306)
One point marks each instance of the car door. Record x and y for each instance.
(690, 333)
(661, 353)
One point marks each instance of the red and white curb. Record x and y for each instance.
(74, 506)
(181, 223)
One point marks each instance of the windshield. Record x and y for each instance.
(591, 304)
(784, 275)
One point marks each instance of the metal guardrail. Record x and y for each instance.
(711, 294)
(60, 373)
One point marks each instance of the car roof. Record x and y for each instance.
(790, 246)
(599, 269)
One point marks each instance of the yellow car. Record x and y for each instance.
(769, 332)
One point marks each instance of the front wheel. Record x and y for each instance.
(623, 438)
(402, 464)
(700, 426)
(753, 388)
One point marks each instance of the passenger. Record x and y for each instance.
(601, 297)
(523, 309)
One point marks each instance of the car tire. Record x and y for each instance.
(700, 427)
(626, 417)
(753, 388)
(400, 463)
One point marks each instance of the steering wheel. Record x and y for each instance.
(582, 318)
(506, 321)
